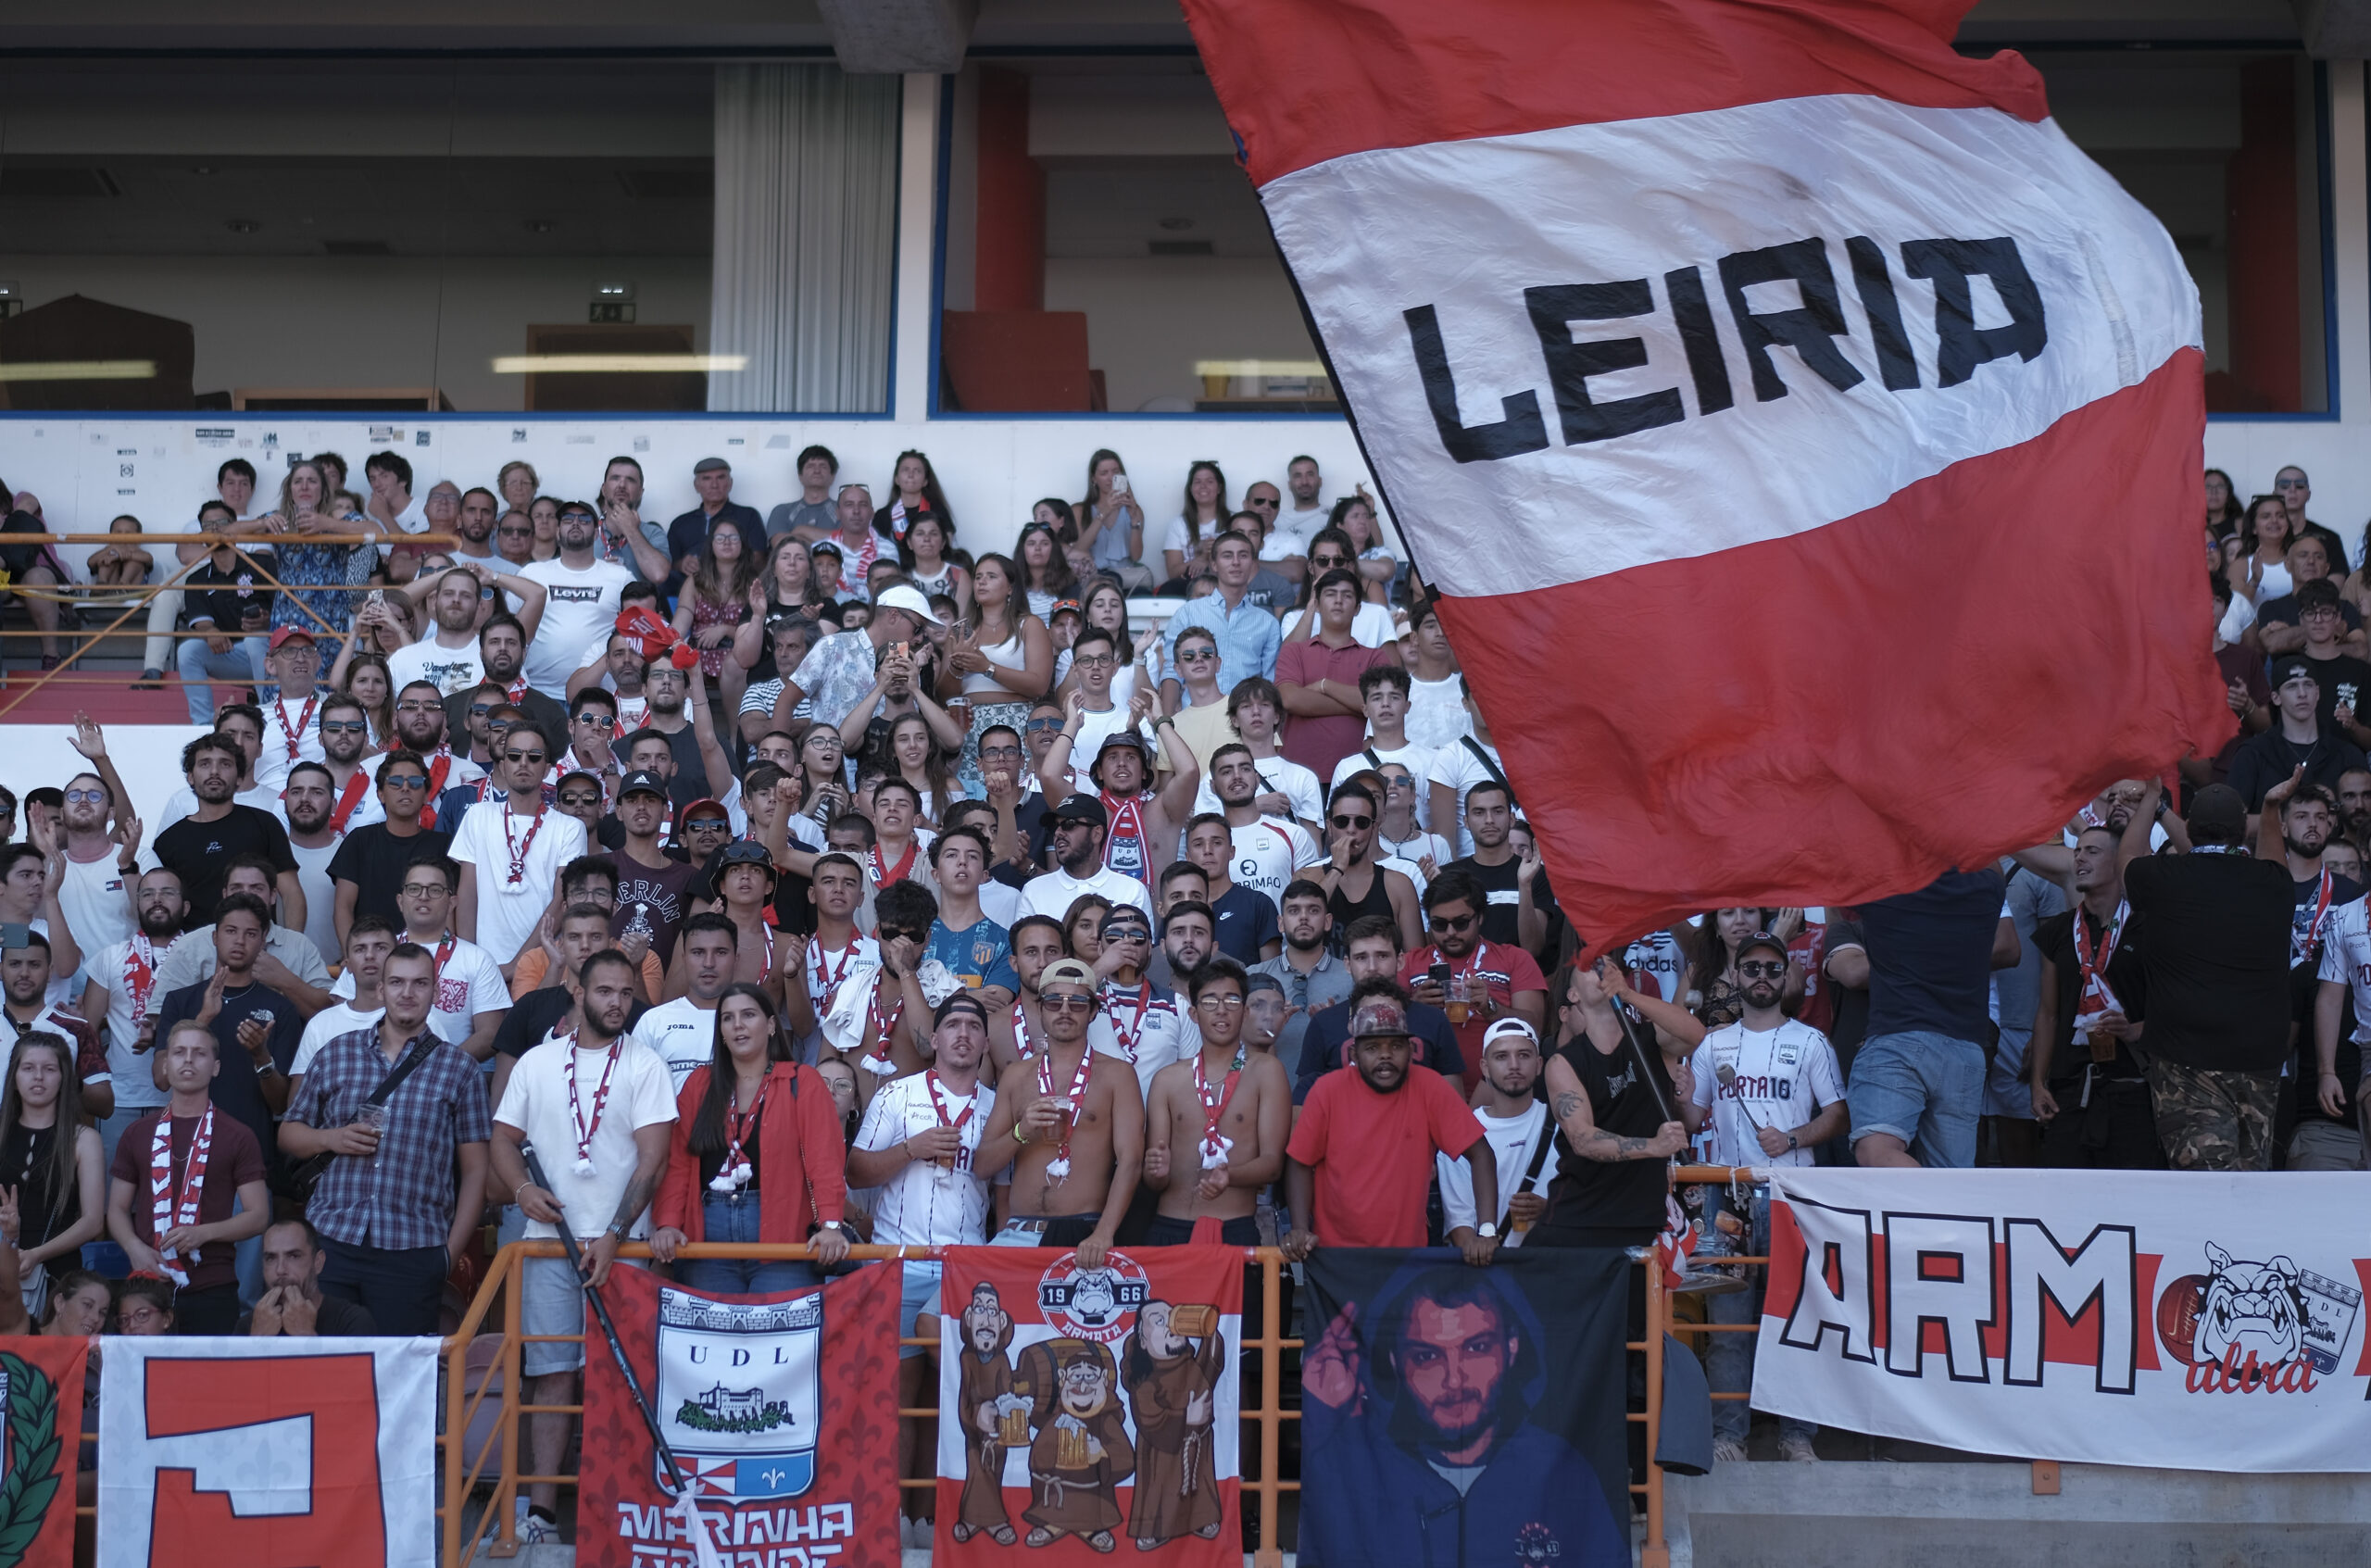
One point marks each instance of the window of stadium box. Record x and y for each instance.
(481, 236)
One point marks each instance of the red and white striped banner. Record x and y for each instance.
(1803, 432)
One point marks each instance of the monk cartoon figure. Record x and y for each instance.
(1173, 1388)
(996, 1412)
(1081, 1453)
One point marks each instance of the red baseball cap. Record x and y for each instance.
(287, 634)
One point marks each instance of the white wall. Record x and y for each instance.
(368, 322)
(148, 756)
(1149, 319)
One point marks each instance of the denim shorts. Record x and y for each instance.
(551, 1301)
(1925, 1088)
(920, 1295)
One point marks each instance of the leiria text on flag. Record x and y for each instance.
(1738, 377)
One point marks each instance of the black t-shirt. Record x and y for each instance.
(200, 853)
(537, 1013)
(2215, 965)
(1595, 1195)
(2264, 760)
(1499, 881)
(234, 1088)
(226, 596)
(2343, 677)
(332, 1318)
(1247, 923)
(655, 895)
(375, 860)
(546, 714)
(1849, 1021)
(1930, 956)
(2054, 939)
(690, 782)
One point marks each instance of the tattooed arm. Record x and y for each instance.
(1570, 1106)
(650, 1164)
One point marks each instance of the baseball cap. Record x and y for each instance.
(2283, 669)
(699, 807)
(710, 465)
(1069, 606)
(1379, 1015)
(1076, 809)
(287, 634)
(825, 547)
(2217, 813)
(961, 1001)
(1506, 1028)
(1067, 970)
(907, 597)
(1761, 939)
(745, 852)
(641, 783)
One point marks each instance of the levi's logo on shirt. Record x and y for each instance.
(569, 594)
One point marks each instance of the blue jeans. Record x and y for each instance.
(1729, 1367)
(735, 1218)
(199, 664)
(1923, 1087)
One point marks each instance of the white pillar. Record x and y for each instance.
(917, 240)
(2351, 240)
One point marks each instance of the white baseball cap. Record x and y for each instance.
(1505, 1027)
(907, 597)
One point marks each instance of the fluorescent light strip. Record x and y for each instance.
(613, 364)
(81, 369)
(1258, 368)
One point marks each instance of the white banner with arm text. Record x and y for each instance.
(2165, 1319)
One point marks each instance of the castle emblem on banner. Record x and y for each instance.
(740, 1393)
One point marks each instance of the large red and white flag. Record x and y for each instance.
(1803, 433)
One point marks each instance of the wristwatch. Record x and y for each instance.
(1790, 1143)
(1487, 1230)
(619, 1227)
(831, 1225)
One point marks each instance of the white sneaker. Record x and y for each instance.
(533, 1529)
(1728, 1451)
(1798, 1449)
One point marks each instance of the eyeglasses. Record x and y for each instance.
(1353, 822)
(516, 532)
(1067, 1004)
(346, 727)
(401, 781)
(86, 796)
(422, 889)
(1224, 1004)
(1453, 922)
(1095, 661)
(420, 705)
(141, 1315)
(1761, 970)
(999, 753)
(2320, 613)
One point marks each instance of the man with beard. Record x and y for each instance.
(1768, 1086)
(987, 1399)
(1485, 980)
(679, 714)
(1357, 883)
(122, 992)
(626, 539)
(2354, 805)
(1371, 955)
(1362, 1154)
(290, 964)
(1435, 1443)
(367, 868)
(1078, 826)
(511, 851)
(200, 847)
(345, 736)
(422, 726)
(448, 657)
(1309, 974)
(1516, 1120)
(616, 665)
(1265, 851)
(309, 803)
(1071, 1133)
(2325, 1137)
(1172, 1387)
(102, 855)
(502, 649)
(683, 1031)
(1145, 821)
(582, 605)
(601, 1176)
(1080, 1452)
(2090, 1094)
(474, 523)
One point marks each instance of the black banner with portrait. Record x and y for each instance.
(1459, 1416)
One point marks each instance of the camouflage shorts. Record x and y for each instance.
(2214, 1121)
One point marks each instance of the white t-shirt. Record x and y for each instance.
(1291, 533)
(923, 1205)
(1092, 728)
(509, 911)
(1661, 958)
(130, 1072)
(1417, 760)
(91, 896)
(681, 1034)
(1153, 1040)
(338, 1018)
(1266, 855)
(1514, 1139)
(468, 982)
(453, 670)
(2346, 957)
(320, 897)
(284, 722)
(1436, 714)
(1179, 535)
(1457, 766)
(1053, 893)
(1784, 1078)
(1374, 626)
(1289, 779)
(536, 1102)
(582, 604)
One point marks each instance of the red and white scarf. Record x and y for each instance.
(1214, 1148)
(1127, 828)
(585, 1130)
(883, 876)
(734, 1172)
(2093, 996)
(518, 851)
(139, 975)
(963, 1155)
(347, 799)
(1059, 1168)
(1022, 1045)
(167, 1210)
(884, 1025)
(822, 979)
(1133, 1029)
(440, 768)
(304, 721)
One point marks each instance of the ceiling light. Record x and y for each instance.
(613, 364)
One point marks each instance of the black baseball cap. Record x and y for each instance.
(1762, 939)
(641, 783)
(1076, 809)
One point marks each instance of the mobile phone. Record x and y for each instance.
(1119, 484)
(1438, 975)
(13, 934)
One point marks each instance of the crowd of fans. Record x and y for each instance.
(807, 877)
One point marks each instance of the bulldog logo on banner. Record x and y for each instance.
(2016, 1312)
(1081, 1407)
(789, 1467)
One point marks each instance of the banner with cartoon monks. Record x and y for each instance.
(2161, 1318)
(1080, 1409)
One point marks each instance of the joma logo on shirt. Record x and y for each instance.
(1809, 328)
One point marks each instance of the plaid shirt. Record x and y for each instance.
(403, 1198)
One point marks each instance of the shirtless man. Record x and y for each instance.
(1216, 1124)
(1071, 1128)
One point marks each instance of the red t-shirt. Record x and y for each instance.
(232, 1160)
(1319, 742)
(1503, 969)
(1387, 1141)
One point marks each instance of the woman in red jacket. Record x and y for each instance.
(757, 1156)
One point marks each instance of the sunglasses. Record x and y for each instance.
(579, 799)
(534, 756)
(346, 727)
(1067, 1004)
(1039, 726)
(1196, 655)
(1353, 822)
(2289, 485)
(1453, 922)
(402, 781)
(480, 710)
(516, 532)
(1761, 970)
(418, 706)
